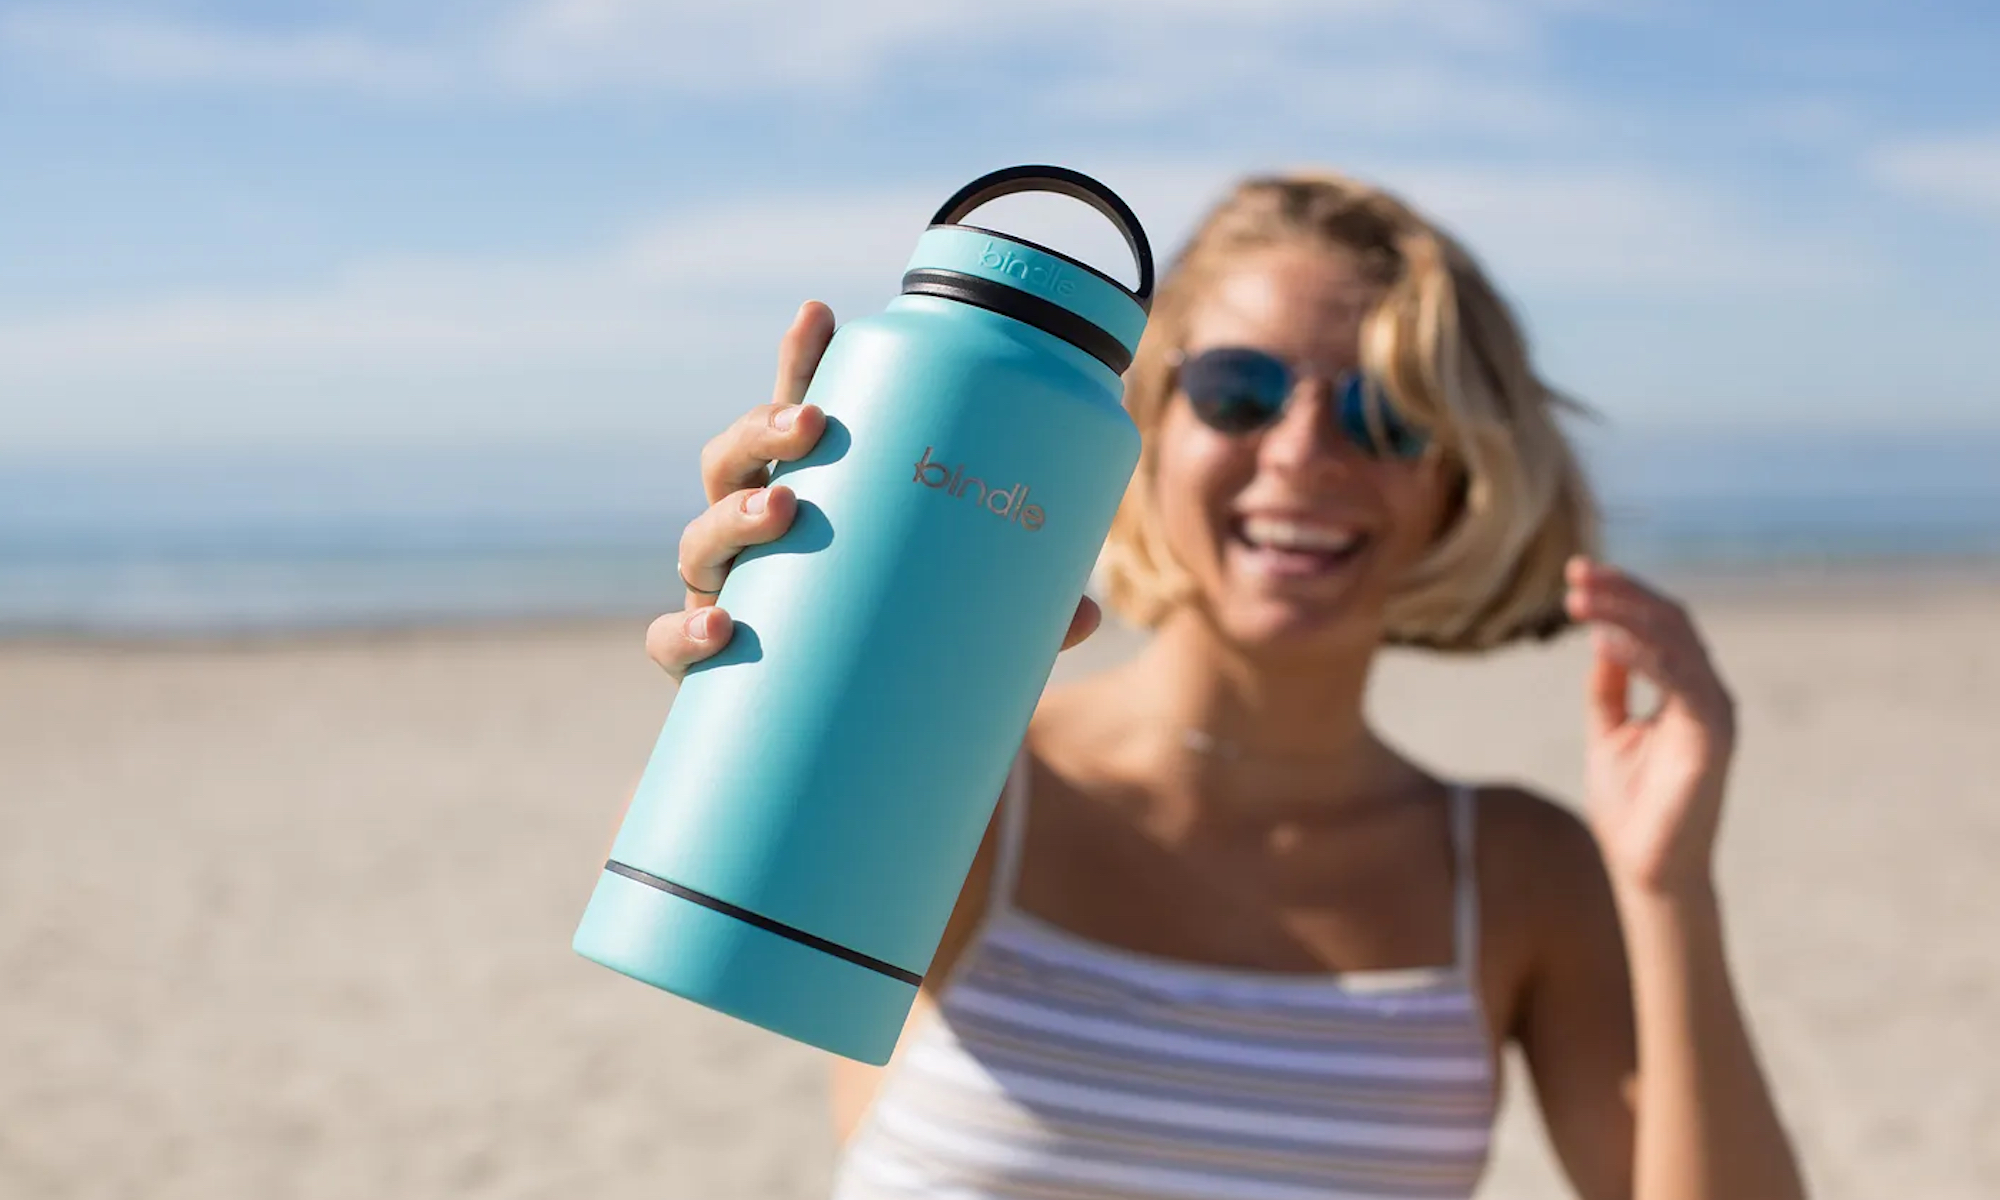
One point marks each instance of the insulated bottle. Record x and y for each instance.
(819, 788)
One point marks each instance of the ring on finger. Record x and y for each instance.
(682, 572)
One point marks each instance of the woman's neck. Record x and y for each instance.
(1261, 727)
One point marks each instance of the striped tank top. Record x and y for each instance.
(1061, 1068)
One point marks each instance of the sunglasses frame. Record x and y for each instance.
(1375, 429)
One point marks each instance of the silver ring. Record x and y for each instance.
(682, 572)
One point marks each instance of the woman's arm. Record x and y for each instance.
(1622, 979)
(1708, 1126)
(1635, 969)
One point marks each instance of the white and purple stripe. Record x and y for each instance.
(1059, 1069)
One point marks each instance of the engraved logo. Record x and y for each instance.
(1011, 504)
(1039, 272)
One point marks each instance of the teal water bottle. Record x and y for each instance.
(820, 787)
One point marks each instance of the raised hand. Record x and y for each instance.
(1653, 781)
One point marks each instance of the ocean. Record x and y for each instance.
(159, 543)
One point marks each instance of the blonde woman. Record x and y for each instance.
(1222, 939)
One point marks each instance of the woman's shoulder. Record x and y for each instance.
(1541, 874)
(1527, 835)
(1518, 817)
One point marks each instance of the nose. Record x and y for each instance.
(1306, 436)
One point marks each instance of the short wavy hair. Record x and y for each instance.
(1450, 355)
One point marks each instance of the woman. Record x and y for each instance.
(1222, 939)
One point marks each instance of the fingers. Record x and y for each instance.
(679, 640)
(1642, 630)
(1084, 623)
(799, 352)
(712, 541)
(1610, 687)
(740, 456)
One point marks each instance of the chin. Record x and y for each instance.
(1300, 601)
(1295, 627)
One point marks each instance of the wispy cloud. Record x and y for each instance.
(1627, 231)
(1960, 172)
(147, 49)
(1432, 60)
(1572, 184)
(674, 288)
(1810, 122)
(1302, 88)
(588, 43)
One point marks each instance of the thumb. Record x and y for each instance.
(1088, 617)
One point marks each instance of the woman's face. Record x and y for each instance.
(1292, 534)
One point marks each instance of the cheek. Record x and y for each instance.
(1196, 472)
(1417, 496)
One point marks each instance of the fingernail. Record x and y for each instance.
(701, 624)
(756, 501)
(785, 418)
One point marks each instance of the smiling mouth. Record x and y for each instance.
(1297, 549)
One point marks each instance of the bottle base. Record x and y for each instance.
(707, 951)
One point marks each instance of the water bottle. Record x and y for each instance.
(820, 786)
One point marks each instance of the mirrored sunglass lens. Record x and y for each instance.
(1235, 390)
(1354, 413)
(1364, 410)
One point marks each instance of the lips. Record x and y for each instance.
(1279, 533)
(1289, 547)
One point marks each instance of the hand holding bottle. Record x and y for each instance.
(822, 784)
(745, 511)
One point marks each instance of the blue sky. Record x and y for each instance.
(367, 223)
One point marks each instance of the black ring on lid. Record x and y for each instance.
(1045, 315)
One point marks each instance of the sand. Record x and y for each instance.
(291, 918)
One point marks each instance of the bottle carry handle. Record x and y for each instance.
(1064, 182)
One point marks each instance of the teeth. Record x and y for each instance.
(1291, 535)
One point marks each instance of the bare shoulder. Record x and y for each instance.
(1546, 899)
(1534, 839)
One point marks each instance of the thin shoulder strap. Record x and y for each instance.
(1465, 878)
(1013, 824)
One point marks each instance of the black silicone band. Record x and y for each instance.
(765, 923)
(1045, 315)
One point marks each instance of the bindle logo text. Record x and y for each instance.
(1011, 504)
(1038, 272)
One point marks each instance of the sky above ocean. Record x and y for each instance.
(378, 224)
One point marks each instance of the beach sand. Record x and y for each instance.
(292, 918)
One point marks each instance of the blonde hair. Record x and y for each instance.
(1450, 356)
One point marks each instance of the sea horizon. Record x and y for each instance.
(171, 543)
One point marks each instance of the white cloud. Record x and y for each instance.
(698, 46)
(1809, 122)
(680, 289)
(1624, 231)
(132, 46)
(671, 288)
(1444, 62)
(1961, 172)
(1211, 83)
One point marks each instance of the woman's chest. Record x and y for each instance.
(1277, 896)
(1050, 1059)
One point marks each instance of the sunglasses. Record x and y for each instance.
(1237, 390)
